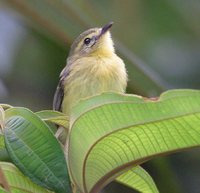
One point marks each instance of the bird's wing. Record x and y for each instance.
(59, 94)
(58, 97)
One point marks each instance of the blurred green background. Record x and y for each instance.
(159, 40)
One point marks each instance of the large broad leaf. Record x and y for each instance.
(54, 117)
(14, 181)
(111, 133)
(3, 152)
(35, 150)
(2, 117)
(5, 106)
(137, 178)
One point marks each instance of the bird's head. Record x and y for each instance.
(93, 42)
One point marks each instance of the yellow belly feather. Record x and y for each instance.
(91, 76)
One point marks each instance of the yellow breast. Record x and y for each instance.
(93, 75)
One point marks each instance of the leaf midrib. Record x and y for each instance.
(99, 185)
(37, 157)
(135, 125)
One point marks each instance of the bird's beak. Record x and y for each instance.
(104, 29)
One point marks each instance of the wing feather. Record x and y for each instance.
(59, 94)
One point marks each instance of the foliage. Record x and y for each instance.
(158, 40)
(110, 136)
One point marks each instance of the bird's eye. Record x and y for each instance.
(87, 41)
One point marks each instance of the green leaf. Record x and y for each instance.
(4, 156)
(118, 134)
(2, 118)
(35, 150)
(15, 181)
(3, 152)
(3, 190)
(138, 179)
(5, 106)
(2, 144)
(54, 117)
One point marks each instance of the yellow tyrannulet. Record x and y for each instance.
(92, 68)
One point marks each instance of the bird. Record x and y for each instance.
(92, 68)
